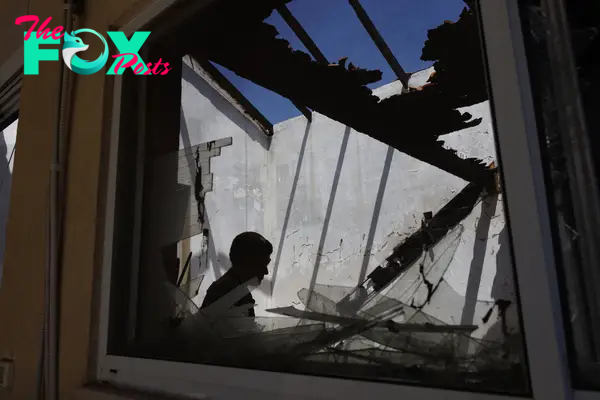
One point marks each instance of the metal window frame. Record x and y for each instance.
(528, 214)
(139, 192)
(531, 240)
(12, 65)
(11, 81)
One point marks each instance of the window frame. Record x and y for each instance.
(530, 237)
(139, 195)
(12, 69)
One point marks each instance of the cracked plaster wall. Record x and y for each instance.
(253, 186)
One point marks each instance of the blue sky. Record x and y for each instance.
(336, 30)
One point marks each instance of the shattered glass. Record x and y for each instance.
(391, 329)
(416, 305)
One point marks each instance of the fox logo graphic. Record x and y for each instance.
(74, 45)
(128, 48)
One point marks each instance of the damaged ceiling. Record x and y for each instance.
(240, 41)
(411, 123)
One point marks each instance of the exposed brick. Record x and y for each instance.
(215, 144)
(210, 153)
(204, 164)
(207, 183)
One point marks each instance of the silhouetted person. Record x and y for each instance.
(250, 254)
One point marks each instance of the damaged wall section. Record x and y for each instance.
(335, 203)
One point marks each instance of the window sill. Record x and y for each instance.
(111, 392)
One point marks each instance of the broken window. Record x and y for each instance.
(390, 246)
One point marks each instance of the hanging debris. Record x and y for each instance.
(251, 49)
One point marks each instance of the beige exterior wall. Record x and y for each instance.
(22, 290)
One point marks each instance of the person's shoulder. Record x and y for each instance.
(222, 283)
(215, 291)
(214, 285)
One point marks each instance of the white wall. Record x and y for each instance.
(335, 201)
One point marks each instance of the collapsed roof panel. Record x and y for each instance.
(339, 34)
(334, 26)
(301, 34)
(456, 49)
(251, 49)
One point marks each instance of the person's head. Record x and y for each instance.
(250, 254)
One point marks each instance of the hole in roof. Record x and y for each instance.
(285, 32)
(337, 31)
(335, 28)
(273, 106)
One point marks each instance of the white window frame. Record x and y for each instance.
(531, 246)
